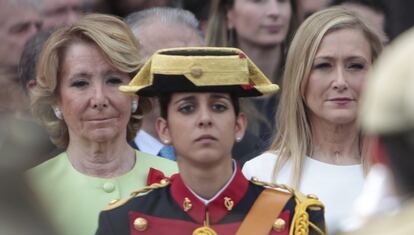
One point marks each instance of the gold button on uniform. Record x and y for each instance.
(279, 225)
(140, 224)
(196, 72)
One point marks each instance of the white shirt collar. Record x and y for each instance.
(147, 143)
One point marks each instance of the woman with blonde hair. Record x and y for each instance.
(319, 147)
(77, 99)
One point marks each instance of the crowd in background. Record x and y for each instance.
(26, 25)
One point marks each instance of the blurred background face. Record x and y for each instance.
(373, 18)
(333, 88)
(58, 13)
(172, 36)
(260, 22)
(311, 6)
(93, 107)
(17, 25)
(125, 7)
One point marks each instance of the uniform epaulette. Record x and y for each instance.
(300, 220)
(119, 202)
(275, 186)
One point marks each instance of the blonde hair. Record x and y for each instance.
(116, 41)
(294, 138)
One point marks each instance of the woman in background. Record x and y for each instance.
(262, 29)
(77, 99)
(319, 148)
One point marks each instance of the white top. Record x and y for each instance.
(337, 186)
(147, 143)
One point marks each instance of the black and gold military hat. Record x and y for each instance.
(200, 69)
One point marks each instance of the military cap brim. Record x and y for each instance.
(200, 69)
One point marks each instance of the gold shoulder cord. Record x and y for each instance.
(300, 221)
(117, 203)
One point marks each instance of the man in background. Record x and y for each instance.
(57, 13)
(19, 20)
(160, 28)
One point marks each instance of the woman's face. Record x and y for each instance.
(202, 127)
(93, 107)
(338, 72)
(260, 22)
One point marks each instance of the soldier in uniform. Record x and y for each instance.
(387, 115)
(198, 91)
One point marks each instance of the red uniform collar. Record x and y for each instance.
(217, 208)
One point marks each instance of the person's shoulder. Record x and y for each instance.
(308, 210)
(300, 197)
(116, 217)
(146, 192)
(60, 159)
(262, 159)
(147, 160)
(260, 166)
(146, 157)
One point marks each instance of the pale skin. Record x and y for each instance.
(57, 13)
(204, 151)
(332, 95)
(96, 112)
(261, 27)
(19, 22)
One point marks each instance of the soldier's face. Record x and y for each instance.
(202, 127)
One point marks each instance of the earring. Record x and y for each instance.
(58, 113)
(166, 141)
(238, 139)
(134, 105)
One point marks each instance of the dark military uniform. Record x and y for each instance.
(171, 208)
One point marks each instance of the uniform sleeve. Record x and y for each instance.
(104, 225)
(316, 218)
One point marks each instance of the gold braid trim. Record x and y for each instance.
(273, 186)
(300, 221)
(117, 203)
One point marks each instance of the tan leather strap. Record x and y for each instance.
(264, 212)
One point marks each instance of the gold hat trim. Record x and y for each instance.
(203, 70)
